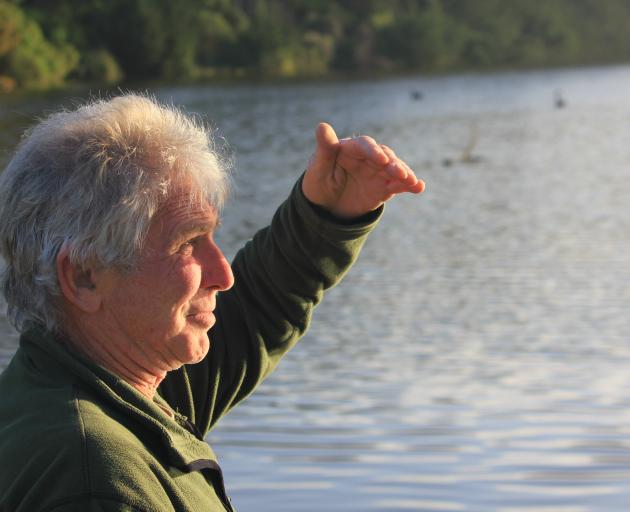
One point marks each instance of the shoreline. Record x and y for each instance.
(253, 79)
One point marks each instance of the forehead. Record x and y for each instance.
(181, 212)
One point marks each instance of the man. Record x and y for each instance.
(137, 335)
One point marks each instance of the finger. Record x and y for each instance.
(409, 184)
(374, 151)
(398, 187)
(396, 168)
(365, 148)
(410, 178)
(418, 188)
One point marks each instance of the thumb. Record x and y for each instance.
(327, 146)
(320, 170)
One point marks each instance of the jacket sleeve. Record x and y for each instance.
(280, 276)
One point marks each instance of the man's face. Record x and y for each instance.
(164, 307)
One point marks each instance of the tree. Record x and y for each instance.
(26, 57)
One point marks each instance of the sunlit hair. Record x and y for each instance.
(91, 180)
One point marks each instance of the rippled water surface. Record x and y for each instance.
(477, 357)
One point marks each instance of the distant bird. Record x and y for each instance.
(558, 100)
(416, 95)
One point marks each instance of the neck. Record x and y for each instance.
(127, 362)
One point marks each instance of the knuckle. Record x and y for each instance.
(387, 150)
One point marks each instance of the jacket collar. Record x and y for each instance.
(54, 358)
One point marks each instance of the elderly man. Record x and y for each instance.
(136, 333)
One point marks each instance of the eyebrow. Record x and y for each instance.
(193, 229)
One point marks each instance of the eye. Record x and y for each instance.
(188, 245)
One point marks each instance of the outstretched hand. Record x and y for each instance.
(351, 177)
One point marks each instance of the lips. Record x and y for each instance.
(205, 318)
(202, 313)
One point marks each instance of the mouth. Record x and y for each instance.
(202, 318)
(201, 312)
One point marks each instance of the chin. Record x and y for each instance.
(198, 349)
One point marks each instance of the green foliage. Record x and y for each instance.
(416, 41)
(100, 66)
(216, 35)
(44, 43)
(11, 20)
(28, 57)
(135, 35)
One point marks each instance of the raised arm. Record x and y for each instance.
(282, 273)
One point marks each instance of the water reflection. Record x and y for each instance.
(477, 356)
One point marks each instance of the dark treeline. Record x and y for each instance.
(46, 44)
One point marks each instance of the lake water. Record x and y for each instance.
(477, 357)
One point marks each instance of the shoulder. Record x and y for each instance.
(39, 431)
(70, 453)
(38, 425)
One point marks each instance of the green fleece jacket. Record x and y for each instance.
(75, 437)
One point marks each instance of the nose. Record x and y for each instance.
(216, 270)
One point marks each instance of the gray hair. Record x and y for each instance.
(91, 179)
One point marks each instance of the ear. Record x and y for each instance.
(77, 283)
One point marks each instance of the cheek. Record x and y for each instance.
(160, 291)
(155, 299)
(182, 284)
